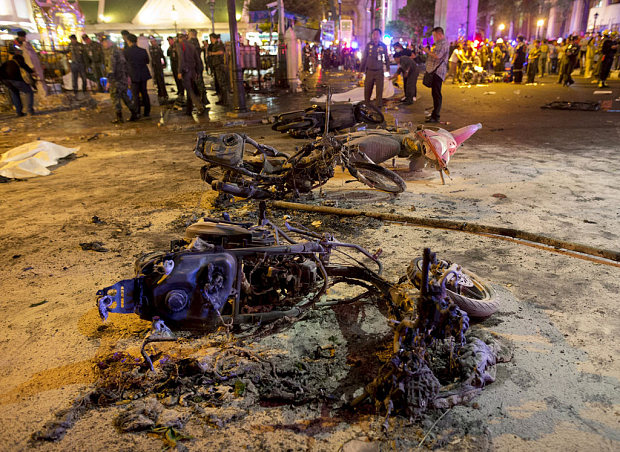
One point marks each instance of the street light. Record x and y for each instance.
(174, 15)
(540, 23)
(501, 27)
(212, 8)
(594, 26)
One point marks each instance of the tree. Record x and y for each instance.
(418, 14)
(397, 28)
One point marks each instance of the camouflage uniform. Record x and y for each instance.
(95, 57)
(77, 62)
(219, 72)
(118, 75)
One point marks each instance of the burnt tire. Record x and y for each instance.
(368, 113)
(378, 177)
(478, 301)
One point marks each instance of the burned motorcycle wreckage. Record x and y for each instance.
(425, 145)
(224, 274)
(266, 173)
(227, 273)
(435, 362)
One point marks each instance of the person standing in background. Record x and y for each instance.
(23, 47)
(11, 77)
(436, 64)
(95, 60)
(374, 62)
(173, 58)
(518, 60)
(157, 68)
(532, 64)
(544, 57)
(138, 61)
(188, 69)
(200, 81)
(218, 62)
(77, 62)
(117, 73)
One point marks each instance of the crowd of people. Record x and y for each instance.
(594, 54)
(123, 70)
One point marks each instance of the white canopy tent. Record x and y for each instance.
(17, 14)
(165, 14)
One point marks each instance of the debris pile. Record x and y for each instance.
(431, 351)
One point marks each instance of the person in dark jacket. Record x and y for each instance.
(138, 61)
(157, 66)
(200, 82)
(518, 60)
(187, 70)
(409, 70)
(217, 59)
(608, 49)
(10, 75)
(174, 63)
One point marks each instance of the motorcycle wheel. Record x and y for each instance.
(368, 113)
(376, 176)
(479, 300)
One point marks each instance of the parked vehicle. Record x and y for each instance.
(262, 172)
(310, 123)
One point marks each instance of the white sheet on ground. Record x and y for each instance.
(67, 83)
(357, 94)
(32, 159)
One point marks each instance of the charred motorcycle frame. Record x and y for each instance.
(262, 172)
(230, 273)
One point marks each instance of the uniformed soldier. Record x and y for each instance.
(77, 62)
(374, 62)
(94, 53)
(173, 56)
(217, 59)
(200, 81)
(409, 69)
(117, 72)
(157, 67)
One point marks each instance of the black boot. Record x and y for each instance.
(119, 118)
(134, 116)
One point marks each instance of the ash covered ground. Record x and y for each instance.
(557, 171)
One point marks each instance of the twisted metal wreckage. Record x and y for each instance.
(225, 273)
(262, 172)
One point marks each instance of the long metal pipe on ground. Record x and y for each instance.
(474, 228)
